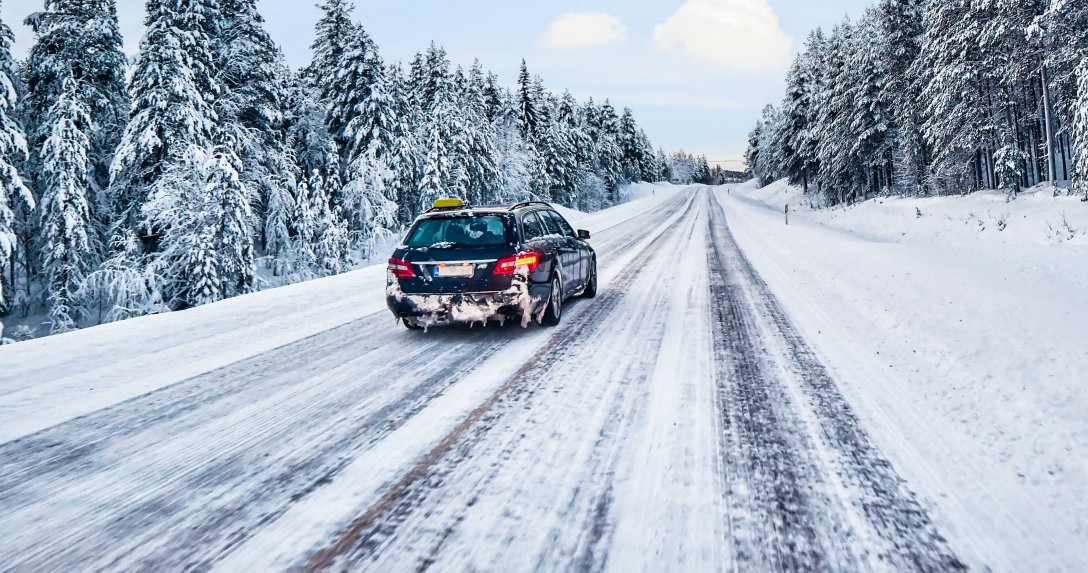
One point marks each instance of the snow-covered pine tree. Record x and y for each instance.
(901, 29)
(868, 115)
(807, 144)
(528, 111)
(481, 160)
(768, 163)
(250, 70)
(435, 171)
(587, 185)
(485, 180)
(333, 33)
(513, 153)
(793, 123)
(79, 40)
(415, 80)
(957, 123)
(372, 215)
(1080, 129)
(432, 79)
(125, 285)
(702, 170)
(405, 159)
(13, 149)
(369, 197)
(1066, 31)
(449, 115)
(207, 243)
(651, 169)
(280, 203)
(836, 177)
(308, 137)
(631, 148)
(251, 110)
(69, 250)
(557, 150)
(568, 114)
(475, 84)
(173, 89)
(610, 156)
(346, 90)
(494, 98)
(662, 163)
(233, 220)
(322, 232)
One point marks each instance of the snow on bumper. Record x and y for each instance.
(517, 302)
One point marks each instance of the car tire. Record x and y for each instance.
(553, 312)
(411, 324)
(591, 284)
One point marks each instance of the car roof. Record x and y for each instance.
(485, 210)
(465, 212)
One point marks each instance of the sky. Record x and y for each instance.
(695, 72)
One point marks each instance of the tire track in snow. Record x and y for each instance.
(182, 494)
(44, 453)
(179, 478)
(380, 522)
(778, 495)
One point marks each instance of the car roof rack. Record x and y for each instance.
(529, 203)
(449, 204)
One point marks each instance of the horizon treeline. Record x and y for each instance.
(934, 97)
(207, 168)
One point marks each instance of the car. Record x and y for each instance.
(464, 264)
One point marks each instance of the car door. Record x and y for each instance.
(567, 245)
(585, 252)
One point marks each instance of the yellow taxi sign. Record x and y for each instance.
(450, 203)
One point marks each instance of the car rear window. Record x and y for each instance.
(468, 231)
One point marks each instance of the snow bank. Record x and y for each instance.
(636, 191)
(961, 345)
(1035, 217)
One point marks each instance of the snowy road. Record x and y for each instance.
(676, 422)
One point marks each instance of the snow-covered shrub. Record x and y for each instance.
(1061, 231)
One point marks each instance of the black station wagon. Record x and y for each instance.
(462, 264)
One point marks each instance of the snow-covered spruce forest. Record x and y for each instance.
(934, 97)
(207, 168)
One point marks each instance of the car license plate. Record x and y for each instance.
(448, 271)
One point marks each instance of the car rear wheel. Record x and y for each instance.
(553, 313)
(591, 284)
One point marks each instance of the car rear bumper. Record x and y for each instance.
(520, 302)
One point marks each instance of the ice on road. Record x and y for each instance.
(676, 422)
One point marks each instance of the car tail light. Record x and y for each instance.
(401, 269)
(508, 265)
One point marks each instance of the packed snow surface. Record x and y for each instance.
(962, 344)
(849, 392)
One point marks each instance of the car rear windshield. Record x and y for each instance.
(466, 231)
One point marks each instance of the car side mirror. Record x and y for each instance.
(583, 234)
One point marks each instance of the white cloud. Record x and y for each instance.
(734, 35)
(577, 30)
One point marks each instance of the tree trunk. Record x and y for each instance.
(1052, 170)
(978, 170)
(1066, 154)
